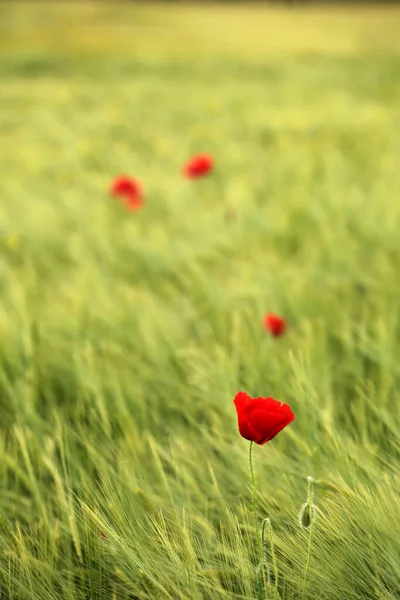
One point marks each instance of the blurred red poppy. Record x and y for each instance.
(129, 190)
(198, 166)
(261, 419)
(134, 202)
(275, 324)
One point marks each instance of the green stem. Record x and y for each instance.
(253, 482)
(273, 559)
(265, 565)
(259, 548)
(310, 500)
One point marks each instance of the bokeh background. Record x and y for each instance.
(125, 336)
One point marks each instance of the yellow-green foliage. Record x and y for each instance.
(125, 336)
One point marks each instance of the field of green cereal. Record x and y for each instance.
(125, 336)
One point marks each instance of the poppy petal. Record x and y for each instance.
(133, 202)
(198, 166)
(129, 190)
(267, 417)
(275, 324)
(242, 400)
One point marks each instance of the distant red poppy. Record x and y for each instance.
(261, 419)
(275, 324)
(198, 166)
(134, 202)
(129, 190)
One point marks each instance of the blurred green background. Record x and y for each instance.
(125, 337)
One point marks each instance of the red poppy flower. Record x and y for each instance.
(198, 166)
(129, 190)
(261, 419)
(134, 202)
(275, 324)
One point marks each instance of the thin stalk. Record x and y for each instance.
(265, 565)
(310, 501)
(253, 482)
(259, 549)
(273, 559)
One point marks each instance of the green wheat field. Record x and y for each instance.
(125, 336)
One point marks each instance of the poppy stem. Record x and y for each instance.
(253, 482)
(264, 564)
(273, 558)
(310, 507)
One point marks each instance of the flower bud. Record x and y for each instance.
(305, 516)
(308, 512)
